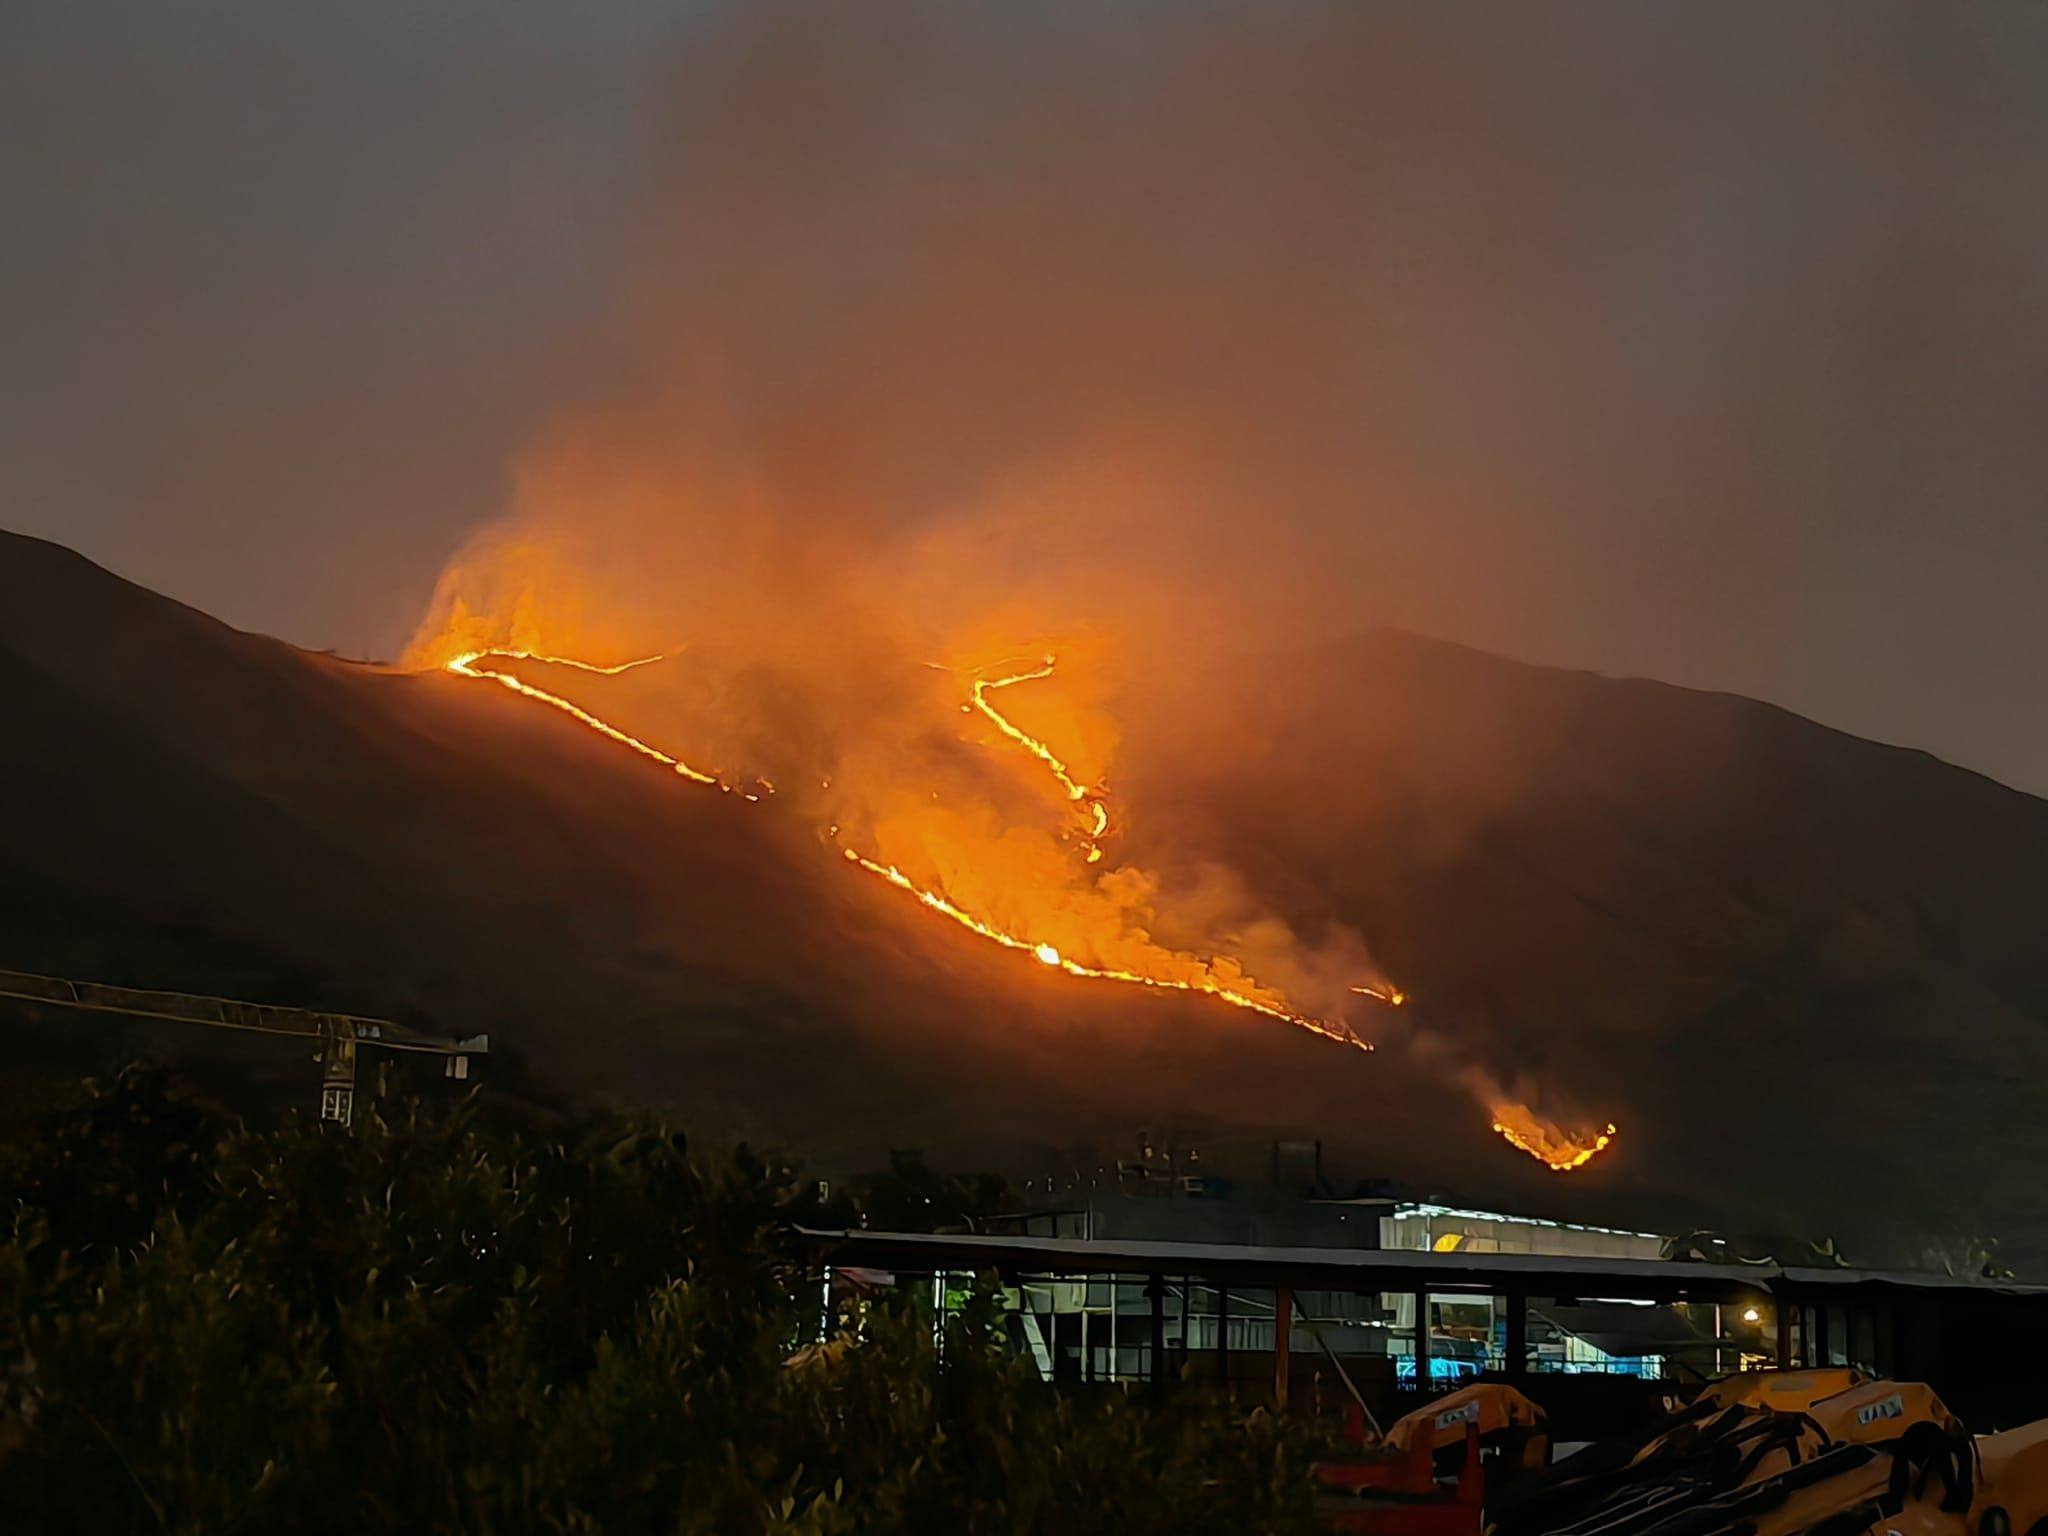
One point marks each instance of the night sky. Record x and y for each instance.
(1708, 343)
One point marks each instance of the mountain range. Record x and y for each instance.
(1804, 973)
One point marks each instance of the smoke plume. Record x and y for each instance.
(958, 346)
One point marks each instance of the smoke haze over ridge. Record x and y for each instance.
(1697, 345)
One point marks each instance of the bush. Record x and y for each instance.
(441, 1322)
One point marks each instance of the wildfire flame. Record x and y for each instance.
(1520, 1126)
(1393, 997)
(1544, 1141)
(473, 664)
(1095, 811)
(1047, 954)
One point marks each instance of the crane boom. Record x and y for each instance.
(340, 1034)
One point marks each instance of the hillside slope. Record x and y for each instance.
(1801, 969)
(216, 811)
(1796, 963)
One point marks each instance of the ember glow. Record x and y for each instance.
(1095, 813)
(478, 664)
(1047, 954)
(1144, 964)
(1543, 1140)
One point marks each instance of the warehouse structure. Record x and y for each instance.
(1595, 1334)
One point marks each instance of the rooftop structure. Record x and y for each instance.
(1381, 1323)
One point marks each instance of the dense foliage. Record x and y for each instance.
(447, 1322)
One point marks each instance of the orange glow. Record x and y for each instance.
(1146, 964)
(471, 664)
(1545, 1140)
(1046, 954)
(1094, 812)
(475, 664)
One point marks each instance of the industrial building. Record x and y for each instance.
(1388, 1301)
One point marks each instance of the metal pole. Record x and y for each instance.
(1223, 1339)
(1115, 1299)
(1283, 1328)
(1155, 1292)
(1784, 1306)
(1518, 1334)
(1422, 1379)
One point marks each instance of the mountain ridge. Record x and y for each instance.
(1665, 903)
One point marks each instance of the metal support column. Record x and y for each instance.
(1422, 1376)
(1223, 1338)
(1784, 1311)
(1518, 1334)
(1155, 1292)
(1283, 1335)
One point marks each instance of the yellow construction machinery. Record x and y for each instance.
(1793, 1453)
